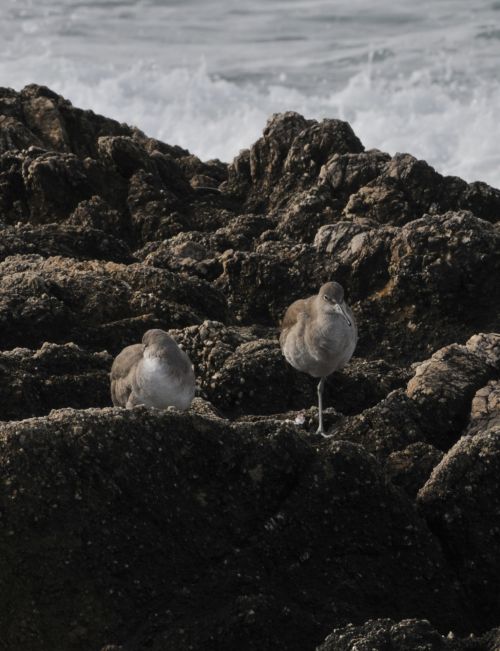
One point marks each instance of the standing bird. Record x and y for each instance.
(319, 335)
(156, 373)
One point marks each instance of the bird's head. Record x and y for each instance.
(331, 300)
(157, 343)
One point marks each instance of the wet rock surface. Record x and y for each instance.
(235, 526)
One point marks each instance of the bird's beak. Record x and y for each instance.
(340, 308)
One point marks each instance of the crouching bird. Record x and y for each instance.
(318, 336)
(156, 373)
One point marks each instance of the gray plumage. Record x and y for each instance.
(319, 335)
(155, 373)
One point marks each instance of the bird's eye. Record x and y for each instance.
(325, 297)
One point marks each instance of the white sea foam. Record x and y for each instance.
(438, 103)
(215, 118)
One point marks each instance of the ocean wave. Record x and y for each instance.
(447, 121)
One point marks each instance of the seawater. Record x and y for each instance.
(421, 77)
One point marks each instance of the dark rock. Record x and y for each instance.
(126, 155)
(287, 158)
(362, 384)
(443, 387)
(164, 531)
(154, 209)
(408, 188)
(486, 347)
(66, 300)
(189, 252)
(54, 183)
(410, 468)
(391, 425)
(163, 528)
(461, 502)
(243, 384)
(433, 411)
(202, 254)
(10, 102)
(438, 269)
(242, 371)
(482, 200)
(34, 382)
(304, 420)
(15, 135)
(97, 213)
(65, 240)
(235, 368)
(62, 127)
(262, 165)
(358, 253)
(40, 110)
(208, 174)
(305, 214)
(347, 173)
(407, 635)
(447, 257)
(249, 280)
(485, 408)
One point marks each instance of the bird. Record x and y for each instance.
(318, 336)
(154, 373)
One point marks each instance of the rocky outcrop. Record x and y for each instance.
(443, 387)
(412, 466)
(80, 242)
(96, 303)
(288, 158)
(462, 505)
(407, 635)
(435, 407)
(33, 382)
(235, 526)
(485, 408)
(134, 520)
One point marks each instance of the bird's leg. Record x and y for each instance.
(320, 429)
(133, 401)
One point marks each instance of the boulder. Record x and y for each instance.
(163, 528)
(461, 501)
(33, 382)
(287, 158)
(411, 467)
(443, 387)
(71, 241)
(407, 188)
(391, 425)
(485, 408)
(60, 299)
(406, 635)
(249, 280)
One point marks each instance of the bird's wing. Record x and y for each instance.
(295, 311)
(121, 376)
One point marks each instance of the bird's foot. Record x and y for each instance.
(300, 418)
